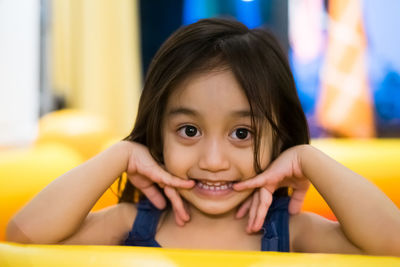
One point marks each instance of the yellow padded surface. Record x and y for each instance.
(378, 160)
(117, 256)
(85, 132)
(25, 172)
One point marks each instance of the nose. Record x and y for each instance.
(213, 156)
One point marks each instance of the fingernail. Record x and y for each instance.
(237, 187)
(186, 217)
(248, 229)
(253, 228)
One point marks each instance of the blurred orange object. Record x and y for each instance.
(345, 104)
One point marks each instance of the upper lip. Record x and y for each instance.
(214, 181)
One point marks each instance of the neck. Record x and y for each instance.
(200, 218)
(205, 231)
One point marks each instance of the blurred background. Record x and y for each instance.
(92, 55)
(71, 73)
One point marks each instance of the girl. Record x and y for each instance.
(219, 124)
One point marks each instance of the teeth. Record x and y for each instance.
(214, 186)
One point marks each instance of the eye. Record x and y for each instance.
(241, 133)
(188, 131)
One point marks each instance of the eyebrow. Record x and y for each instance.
(194, 113)
(182, 111)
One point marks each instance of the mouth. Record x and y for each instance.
(213, 188)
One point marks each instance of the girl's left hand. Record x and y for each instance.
(285, 171)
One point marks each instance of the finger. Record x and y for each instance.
(252, 212)
(178, 220)
(187, 209)
(162, 185)
(262, 210)
(297, 199)
(257, 181)
(155, 196)
(244, 208)
(160, 176)
(177, 204)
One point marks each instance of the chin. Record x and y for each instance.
(215, 205)
(213, 208)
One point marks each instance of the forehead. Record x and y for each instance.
(210, 90)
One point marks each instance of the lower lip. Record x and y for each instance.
(210, 193)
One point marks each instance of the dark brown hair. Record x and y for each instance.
(259, 65)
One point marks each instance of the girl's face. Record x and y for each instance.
(207, 137)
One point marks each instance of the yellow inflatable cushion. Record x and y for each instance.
(25, 172)
(85, 132)
(378, 160)
(117, 256)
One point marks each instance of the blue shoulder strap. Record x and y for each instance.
(145, 226)
(276, 226)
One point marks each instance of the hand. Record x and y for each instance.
(285, 171)
(144, 173)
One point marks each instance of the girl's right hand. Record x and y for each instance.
(144, 173)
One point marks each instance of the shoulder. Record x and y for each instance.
(121, 215)
(127, 213)
(310, 232)
(305, 223)
(108, 226)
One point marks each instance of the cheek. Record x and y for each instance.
(265, 158)
(177, 159)
(265, 151)
(246, 163)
